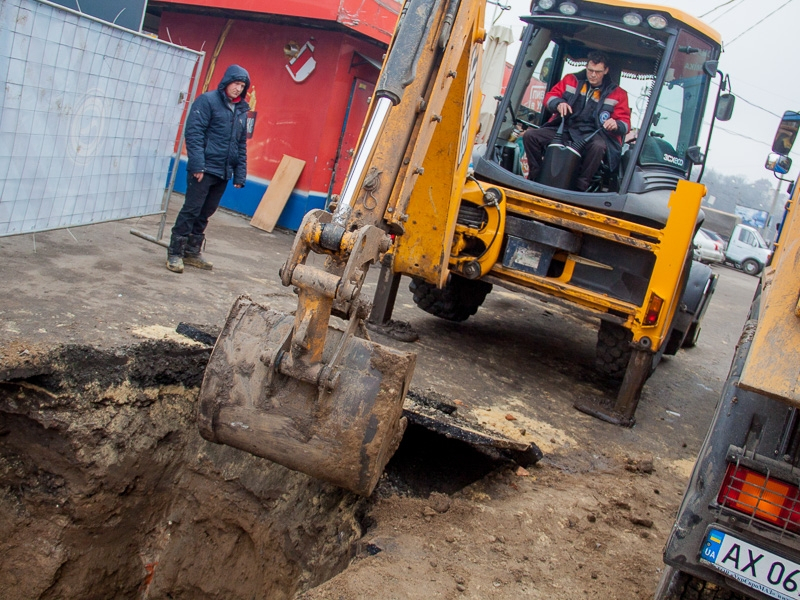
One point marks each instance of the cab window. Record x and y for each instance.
(679, 110)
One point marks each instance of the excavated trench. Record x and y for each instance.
(107, 489)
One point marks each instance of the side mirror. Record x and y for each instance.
(710, 67)
(725, 107)
(778, 163)
(694, 154)
(787, 133)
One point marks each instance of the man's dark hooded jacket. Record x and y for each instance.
(216, 131)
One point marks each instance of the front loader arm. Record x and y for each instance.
(414, 86)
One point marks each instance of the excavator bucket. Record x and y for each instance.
(344, 431)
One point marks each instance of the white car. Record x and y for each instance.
(708, 247)
(747, 250)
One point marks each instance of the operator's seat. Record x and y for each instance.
(654, 149)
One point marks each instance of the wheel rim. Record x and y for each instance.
(750, 267)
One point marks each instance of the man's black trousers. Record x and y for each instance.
(202, 201)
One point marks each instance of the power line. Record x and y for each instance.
(747, 137)
(741, 135)
(766, 110)
(758, 23)
(717, 8)
(719, 16)
(788, 99)
(753, 104)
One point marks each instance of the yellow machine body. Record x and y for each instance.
(772, 367)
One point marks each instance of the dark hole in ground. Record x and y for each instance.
(108, 491)
(427, 462)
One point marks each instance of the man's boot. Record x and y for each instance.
(193, 256)
(175, 252)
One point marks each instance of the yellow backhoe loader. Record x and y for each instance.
(457, 219)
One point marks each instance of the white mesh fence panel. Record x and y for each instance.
(89, 116)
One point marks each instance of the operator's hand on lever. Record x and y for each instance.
(564, 109)
(610, 125)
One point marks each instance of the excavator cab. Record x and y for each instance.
(666, 73)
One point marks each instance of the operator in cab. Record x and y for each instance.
(596, 116)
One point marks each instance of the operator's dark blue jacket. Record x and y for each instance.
(216, 131)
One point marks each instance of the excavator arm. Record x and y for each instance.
(298, 390)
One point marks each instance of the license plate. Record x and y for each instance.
(527, 258)
(764, 571)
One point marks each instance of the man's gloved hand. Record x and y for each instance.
(610, 125)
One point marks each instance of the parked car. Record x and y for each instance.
(747, 250)
(708, 247)
(714, 236)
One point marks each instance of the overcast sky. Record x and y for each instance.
(761, 62)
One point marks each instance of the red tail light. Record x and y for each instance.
(762, 497)
(653, 310)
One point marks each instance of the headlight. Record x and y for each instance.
(546, 4)
(568, 8)
(632, 19)
(657, 21)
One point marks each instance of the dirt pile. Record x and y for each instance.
(108, 491)
(561, 530)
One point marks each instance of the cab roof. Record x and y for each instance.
(679, 15)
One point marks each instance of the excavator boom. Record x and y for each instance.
(299, 390)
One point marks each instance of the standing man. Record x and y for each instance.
(592, 102)
(216, 142)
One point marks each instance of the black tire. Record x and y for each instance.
(677, 585)
(674, 341)
(457, 301)
(613, 351)
(751, 267)
(690, 341)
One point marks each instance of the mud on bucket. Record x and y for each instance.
(344, 436)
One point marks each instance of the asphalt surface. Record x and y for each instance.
(102, 286)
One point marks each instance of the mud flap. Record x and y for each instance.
(344, 435)
(622, 410)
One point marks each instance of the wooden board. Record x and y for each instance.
(278, 192)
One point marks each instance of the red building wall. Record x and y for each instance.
(301, 119)
(374, 18)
